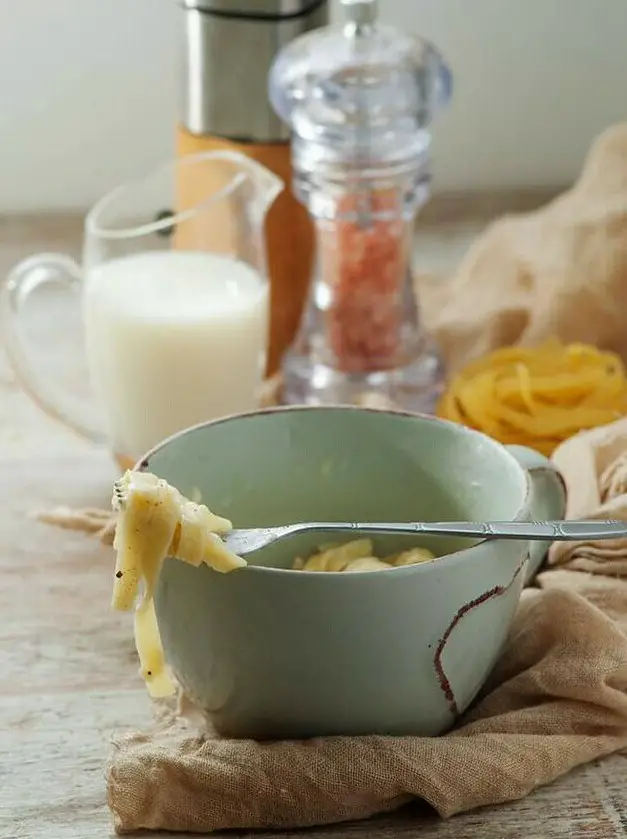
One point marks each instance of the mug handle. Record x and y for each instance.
(46, 269)
(548, 501)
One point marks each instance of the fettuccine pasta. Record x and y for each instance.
(155, 521)
(358, 555)
(538, 397)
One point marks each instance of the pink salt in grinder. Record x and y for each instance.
(360, 97)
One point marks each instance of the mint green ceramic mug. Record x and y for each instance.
(269, 652)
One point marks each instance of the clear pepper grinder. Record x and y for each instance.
(360, 97)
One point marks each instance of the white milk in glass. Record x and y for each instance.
(173, 338)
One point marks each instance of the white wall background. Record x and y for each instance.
(88, 90)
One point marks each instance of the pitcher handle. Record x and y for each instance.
(548, 500)
(34, 273)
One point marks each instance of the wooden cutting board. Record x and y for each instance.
(69, 680)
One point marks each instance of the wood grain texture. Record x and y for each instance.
(70, 671)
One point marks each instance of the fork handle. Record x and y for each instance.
(554, 531)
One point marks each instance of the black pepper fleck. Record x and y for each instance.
(168, 230)
(149, 673)
(118, 574)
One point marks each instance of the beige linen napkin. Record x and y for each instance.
(559, 271)
(556, 699)
(598, 489)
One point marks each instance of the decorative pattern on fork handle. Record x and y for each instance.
(247, 541)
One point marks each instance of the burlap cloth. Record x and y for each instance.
(556, 699)
(560, 271)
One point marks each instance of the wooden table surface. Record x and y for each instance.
(69, 671)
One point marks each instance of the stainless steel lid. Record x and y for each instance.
(253, 8)
(230, 46)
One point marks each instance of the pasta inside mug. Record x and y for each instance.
(359, 555)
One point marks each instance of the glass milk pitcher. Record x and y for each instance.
(175, 304)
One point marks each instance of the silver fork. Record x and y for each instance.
(248, 540)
